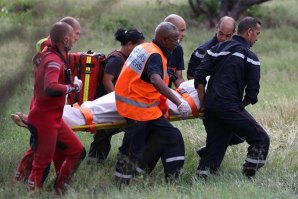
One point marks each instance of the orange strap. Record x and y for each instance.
(88, 117)
(189, 100)
(164, 107)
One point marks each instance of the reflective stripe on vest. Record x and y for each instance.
(135, 103)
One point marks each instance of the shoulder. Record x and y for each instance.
(252, 58)
(114, 61)
(177, 52)
(208, 44)
(117, 54)
(52, 60)
(154, 57)
(178, 49)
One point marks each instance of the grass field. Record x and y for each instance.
(277, 109)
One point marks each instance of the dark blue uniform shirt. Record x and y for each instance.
(154, 64)
(175, 62)
(198, 55)
(234, 71)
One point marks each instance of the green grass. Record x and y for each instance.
(277, 109)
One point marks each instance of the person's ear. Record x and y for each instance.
(164, 40)
(249, 32)
(65, 40)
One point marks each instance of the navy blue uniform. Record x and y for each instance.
(198, 54)
(195, 60)
(175, 62)
(234, 83)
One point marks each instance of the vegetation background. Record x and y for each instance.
(23, 22)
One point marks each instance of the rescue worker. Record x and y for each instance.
(175, 69)
(101, 145)
(233, 84)
(19, 118)
(176, 61)
(25, 165)
(140, 92)
(45, 117)
(225, 29)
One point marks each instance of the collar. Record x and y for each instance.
(166, 52)
(62, 56)
(214, 38)
(242, 40)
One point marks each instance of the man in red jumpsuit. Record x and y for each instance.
(25, 165)
(45, 117)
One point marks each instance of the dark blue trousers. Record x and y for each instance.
(138, 142)
(101, 144)
(220, 125)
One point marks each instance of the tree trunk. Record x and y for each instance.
(234, 8)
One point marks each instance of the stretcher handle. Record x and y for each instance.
(121, 123)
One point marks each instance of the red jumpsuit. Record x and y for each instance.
(25, 166)
(47, 127)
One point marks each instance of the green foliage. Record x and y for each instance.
(109, 23)
(212, 7)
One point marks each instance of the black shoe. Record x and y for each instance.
(94, 160)
(249, 172)
(201, 151)
(202, 174)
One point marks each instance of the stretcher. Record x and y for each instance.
(102, 113)
(121, 124)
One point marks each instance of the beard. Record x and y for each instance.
(68, 48)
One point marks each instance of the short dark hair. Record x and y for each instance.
(130, 35)
(246, 23)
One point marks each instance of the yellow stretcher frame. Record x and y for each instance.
(121, 123)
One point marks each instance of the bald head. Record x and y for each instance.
(60, 31)
(75, 24)
(167, 35)
(179, 22)
(225, 28)
(164, 29)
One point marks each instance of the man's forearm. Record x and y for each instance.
(201, 95)
(179, 79)
(159, 84)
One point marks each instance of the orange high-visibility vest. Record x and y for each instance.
(135, 98)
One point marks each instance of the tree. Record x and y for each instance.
(213, 9)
